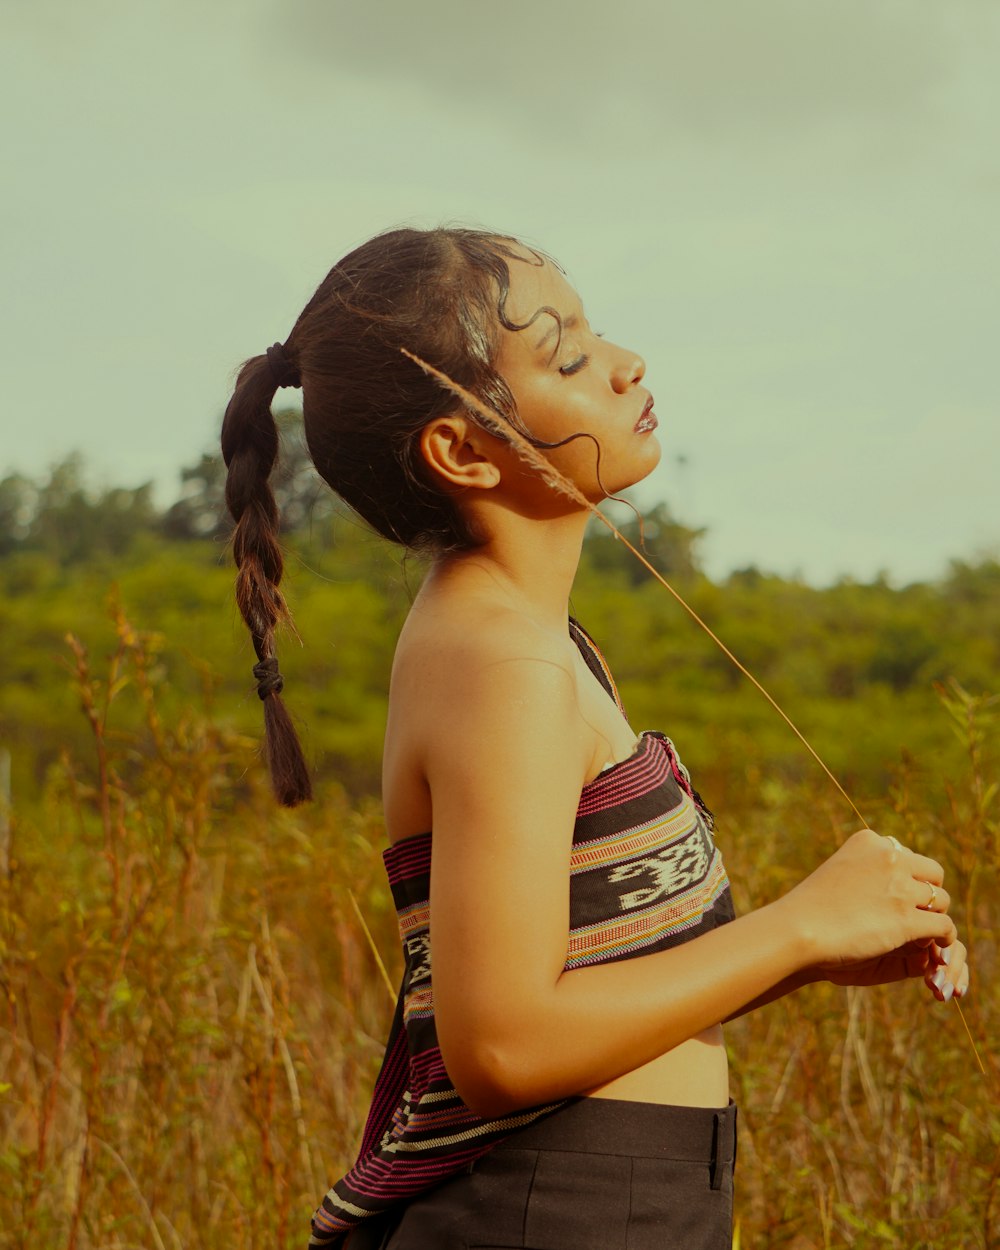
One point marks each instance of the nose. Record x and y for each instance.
(627, 370)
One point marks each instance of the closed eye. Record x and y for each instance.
(581, 361)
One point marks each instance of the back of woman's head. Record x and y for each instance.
(441, 295)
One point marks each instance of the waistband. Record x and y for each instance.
(638, 1130)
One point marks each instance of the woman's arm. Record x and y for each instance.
(788, 985)
(944, 970)
(506, 753)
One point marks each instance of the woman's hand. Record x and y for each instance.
(945, 969)
(871, 907)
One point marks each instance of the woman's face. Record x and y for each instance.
(576, 382)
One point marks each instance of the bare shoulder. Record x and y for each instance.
(478, 674)
(460, 661)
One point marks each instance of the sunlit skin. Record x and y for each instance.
(568, 380)
(495, 724)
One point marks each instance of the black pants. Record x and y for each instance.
(599, 1174)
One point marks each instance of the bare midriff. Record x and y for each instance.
(693, 1074)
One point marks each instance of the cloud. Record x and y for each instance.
(787, 206)
(719, 65)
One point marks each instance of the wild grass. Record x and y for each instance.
(193, 1015)
(865, 1118)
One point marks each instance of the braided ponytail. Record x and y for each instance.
(442, 295)
(250, 448)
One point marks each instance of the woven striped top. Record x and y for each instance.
(644, 875)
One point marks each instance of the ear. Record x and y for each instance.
(459, 453)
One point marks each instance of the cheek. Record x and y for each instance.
(563, 414)
(560, 413)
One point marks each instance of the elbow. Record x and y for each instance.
(492, 1079)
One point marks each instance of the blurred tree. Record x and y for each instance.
(64, 519)
(18, 504)
(200, 512)
(975, 584)
(668, 545)
(902, 648)
(302, 496)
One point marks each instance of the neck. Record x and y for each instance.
(528, 563)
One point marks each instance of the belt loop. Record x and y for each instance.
(715, 1170)
(736, 1132)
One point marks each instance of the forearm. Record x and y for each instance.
(788, 985)
(599, 1022)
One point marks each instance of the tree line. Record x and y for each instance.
(859, 665)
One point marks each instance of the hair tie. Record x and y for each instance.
(282, 369)
(269, 680)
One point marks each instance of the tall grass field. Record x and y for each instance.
(195, 989)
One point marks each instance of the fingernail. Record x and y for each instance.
(940, 979)
(946, 954)
(947, 992)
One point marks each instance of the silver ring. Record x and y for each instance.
(929, 905)
(896, 844)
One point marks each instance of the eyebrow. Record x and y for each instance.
(568, 324)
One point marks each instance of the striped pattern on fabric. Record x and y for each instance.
(644, 875)
(644, 870)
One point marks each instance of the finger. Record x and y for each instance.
(937, 925)
(946, 979)
(923, 868)
(962, 988)
(938, 954)
(940, 985)
(931, 897)
(938, 958)
(917, 962)
(939, 982)
(955, 959)
(942, 990)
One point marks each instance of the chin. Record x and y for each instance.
(621, 476)
(643, 468)
(655, 455)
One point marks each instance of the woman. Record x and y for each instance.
(561, 1078)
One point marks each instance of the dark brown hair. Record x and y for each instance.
(439, 293)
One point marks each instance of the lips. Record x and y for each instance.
(648, 419)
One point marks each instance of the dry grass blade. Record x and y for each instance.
(154, 1232)
(503, 430)
(371, 946)
(729, 655)
(968, 1033)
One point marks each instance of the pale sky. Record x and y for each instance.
(791, 208)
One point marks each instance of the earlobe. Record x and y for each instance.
(456, 453)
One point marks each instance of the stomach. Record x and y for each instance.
(693, 1074)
